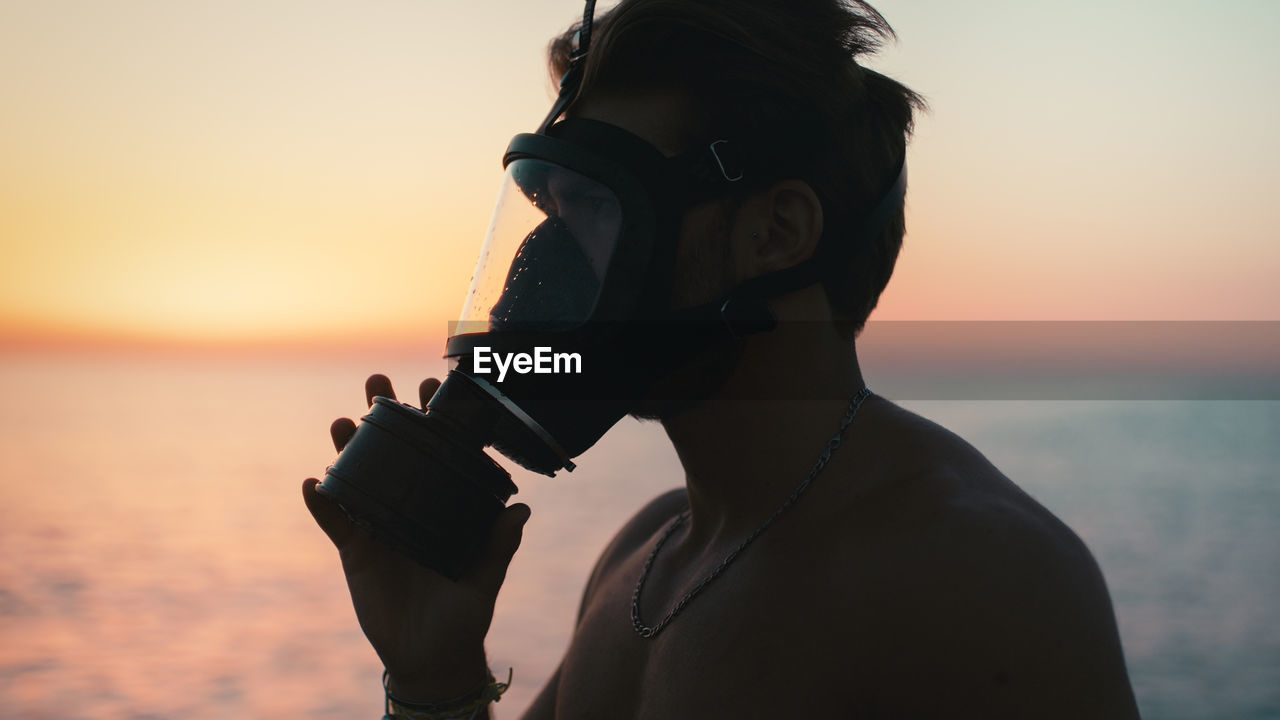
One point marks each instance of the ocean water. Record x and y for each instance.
(156, 560)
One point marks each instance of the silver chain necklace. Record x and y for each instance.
(647, 631)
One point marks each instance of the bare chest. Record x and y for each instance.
(737, 650)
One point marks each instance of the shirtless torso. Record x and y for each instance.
(912, 580)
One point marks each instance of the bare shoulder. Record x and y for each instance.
(642, 526)
(974, 583)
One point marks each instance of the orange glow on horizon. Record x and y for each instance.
(191, 175)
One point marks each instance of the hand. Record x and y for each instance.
(428, 631)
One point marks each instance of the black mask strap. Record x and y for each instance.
(572, 80)
(746, 309)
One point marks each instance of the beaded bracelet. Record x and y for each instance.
(463, 707)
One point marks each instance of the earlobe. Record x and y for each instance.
(792, 229)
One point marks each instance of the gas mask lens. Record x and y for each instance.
(547, 252)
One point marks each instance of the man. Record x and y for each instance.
(831, 554)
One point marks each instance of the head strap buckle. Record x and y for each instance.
(730, 176)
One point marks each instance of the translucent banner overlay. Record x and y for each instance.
(1060, 360)
(1050, 360)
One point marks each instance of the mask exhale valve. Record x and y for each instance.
(413, 480)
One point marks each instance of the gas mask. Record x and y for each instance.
(565, 326)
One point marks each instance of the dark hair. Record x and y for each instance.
(782, 77)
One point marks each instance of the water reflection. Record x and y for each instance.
(156, 559)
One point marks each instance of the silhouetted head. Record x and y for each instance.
(781, 78)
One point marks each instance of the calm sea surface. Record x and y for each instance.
(156, 560)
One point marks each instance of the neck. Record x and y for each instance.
(748, 447)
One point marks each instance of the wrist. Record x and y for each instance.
(472, 705)
(435, 683)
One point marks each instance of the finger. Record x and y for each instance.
(378, 385)
(426, 389)
(341, 431)
(327, 513)
(503, 543)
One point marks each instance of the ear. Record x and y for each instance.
(784, 228)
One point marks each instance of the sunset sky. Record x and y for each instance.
(294, 170)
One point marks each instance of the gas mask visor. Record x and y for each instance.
(563, 271)
(547, 252)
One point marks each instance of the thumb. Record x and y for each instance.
(508, 530)
(330, 516)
